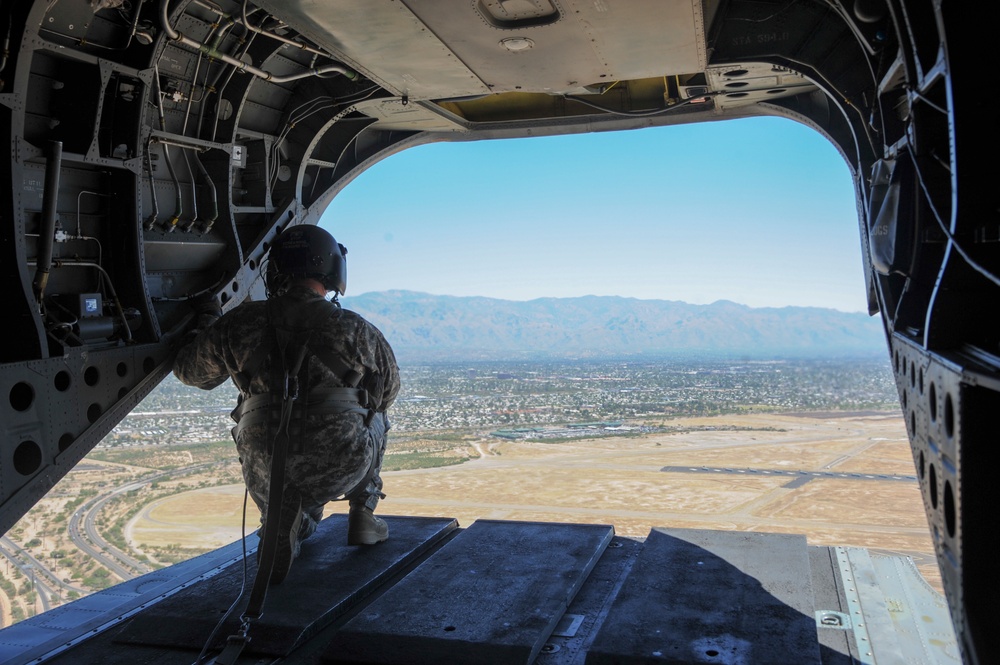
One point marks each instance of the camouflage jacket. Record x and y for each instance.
(226, 348)
(331, 452)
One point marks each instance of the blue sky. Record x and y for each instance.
(758, 211)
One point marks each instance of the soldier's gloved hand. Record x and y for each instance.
(207, 311)
(206, 303)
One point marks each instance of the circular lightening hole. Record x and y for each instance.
(949, 416)
(27, 458)
(932, 399)
(932, 486)
(22, 396)
(62, 381)
(949, 509)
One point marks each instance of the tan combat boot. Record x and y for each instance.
(363, 528)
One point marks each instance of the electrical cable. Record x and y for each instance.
(303, 115)
(276, 155)
(239, 596)
(985, 272)
(105, 282)
(640, 114)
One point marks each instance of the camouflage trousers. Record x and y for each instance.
(328, 459)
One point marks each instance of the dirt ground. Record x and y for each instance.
(619, 481)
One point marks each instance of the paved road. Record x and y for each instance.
(89, 539)
(31, 568)
(801, 477)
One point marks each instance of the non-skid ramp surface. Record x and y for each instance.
(492, 594)
(713, 597)
(327, 579)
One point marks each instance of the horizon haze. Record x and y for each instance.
(422, 326)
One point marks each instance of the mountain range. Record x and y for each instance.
(421, 326)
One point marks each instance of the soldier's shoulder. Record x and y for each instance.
(249, 307)
(244, 312)
(352, 318)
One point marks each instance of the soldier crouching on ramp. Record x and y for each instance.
(315, 381)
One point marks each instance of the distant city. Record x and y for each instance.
(502, 395)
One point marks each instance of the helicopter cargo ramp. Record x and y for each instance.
(514, 592)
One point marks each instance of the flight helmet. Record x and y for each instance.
(306, 251)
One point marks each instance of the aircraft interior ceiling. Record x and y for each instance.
(157, 147)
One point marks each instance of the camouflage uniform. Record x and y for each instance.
(329, 453)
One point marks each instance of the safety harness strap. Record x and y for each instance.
(292, 344)
(293, 327)
(305, 318)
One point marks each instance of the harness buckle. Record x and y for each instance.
(234, 646)
(291, 387)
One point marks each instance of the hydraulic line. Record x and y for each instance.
(209, 220)
(219, 32)
(178, 202)
(244, 20)
(79, 227)
(211, 52)
(202, 171)
(186, 226)
(229, 77)
(187, 158)
(151, 220)
(286, 40)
